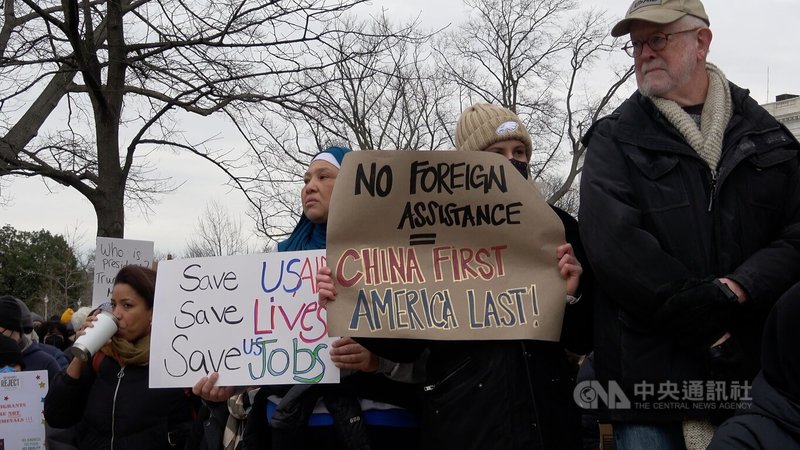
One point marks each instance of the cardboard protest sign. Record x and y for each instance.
(21, 404)
(112, 254)
(252, 318)
(442, 245)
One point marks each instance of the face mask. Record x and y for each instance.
(521, 166)
(7, 369)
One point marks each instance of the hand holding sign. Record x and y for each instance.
(207, 389)
(327, 288)
(349, 354)
(569, 267)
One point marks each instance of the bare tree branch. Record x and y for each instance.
(126, 67)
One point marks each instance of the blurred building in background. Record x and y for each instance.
(786, 108)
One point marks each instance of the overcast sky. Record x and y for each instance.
(751, 40)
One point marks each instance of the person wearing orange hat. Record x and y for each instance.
(67, 315)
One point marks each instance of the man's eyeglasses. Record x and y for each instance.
(656, 42)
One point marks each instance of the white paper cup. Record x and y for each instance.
(95, 337)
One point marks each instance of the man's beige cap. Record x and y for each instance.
(659, 11)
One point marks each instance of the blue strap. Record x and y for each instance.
(396, 417)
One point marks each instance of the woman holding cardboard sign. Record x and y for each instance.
(505, 394)
(362, 411)
(107, 395)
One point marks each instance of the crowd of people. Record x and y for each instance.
(682, 276)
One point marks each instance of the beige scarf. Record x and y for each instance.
(717, 110)
(697, 434)
(707, 142)
(128, 353)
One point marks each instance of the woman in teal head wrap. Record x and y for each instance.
(388, 426)
(365, 375)
(310, 232)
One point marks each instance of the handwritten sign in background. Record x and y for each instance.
(442, 245)
(112, 254)
(21, 402)
(252, 318)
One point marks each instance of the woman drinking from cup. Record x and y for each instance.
(108, 396)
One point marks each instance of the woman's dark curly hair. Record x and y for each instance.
(141, 279)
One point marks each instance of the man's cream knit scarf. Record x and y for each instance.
(707, 139)
(707, 142)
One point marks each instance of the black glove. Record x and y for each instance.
(696, 312)
(727, 361)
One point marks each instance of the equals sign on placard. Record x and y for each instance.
(422, 239)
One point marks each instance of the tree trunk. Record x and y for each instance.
(110, 210)
(109, 196)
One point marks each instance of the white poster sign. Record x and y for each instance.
(252, 318)
(112, 254)
(21, 403)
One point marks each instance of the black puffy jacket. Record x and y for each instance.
(115, 409)
(651, 213)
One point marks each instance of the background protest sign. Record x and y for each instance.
(21, 403)
(252, 318)
(112, 254)
(442, 245)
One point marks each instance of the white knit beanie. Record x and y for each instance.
(79, 316)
